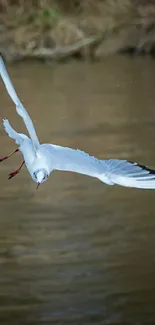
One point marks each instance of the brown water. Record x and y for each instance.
(78, 251)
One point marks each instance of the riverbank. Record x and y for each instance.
(86, 29)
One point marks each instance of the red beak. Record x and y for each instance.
(38, 185)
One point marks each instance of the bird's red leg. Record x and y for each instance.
(6, 157)
(16, 171)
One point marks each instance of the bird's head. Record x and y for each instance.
(40, 176)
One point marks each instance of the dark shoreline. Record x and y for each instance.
(53, 32)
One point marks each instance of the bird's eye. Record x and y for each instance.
(34, 174)
(45, 176)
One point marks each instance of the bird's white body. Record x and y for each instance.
(42, 159)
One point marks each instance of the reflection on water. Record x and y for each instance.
(77, 251)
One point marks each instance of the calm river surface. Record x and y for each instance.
(78, 251)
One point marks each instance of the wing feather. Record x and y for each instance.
(129, 174)
(19, 106)
(112, 171)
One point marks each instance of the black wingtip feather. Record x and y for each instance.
(151, 171)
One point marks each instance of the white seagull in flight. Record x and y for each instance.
(42, 159)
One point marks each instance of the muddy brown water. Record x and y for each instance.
(78, 251)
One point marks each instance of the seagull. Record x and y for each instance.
(42, 159)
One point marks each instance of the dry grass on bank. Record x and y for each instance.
(87, 27)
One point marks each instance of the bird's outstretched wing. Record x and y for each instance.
(112, 171)
(19, 106)
(129, 174)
